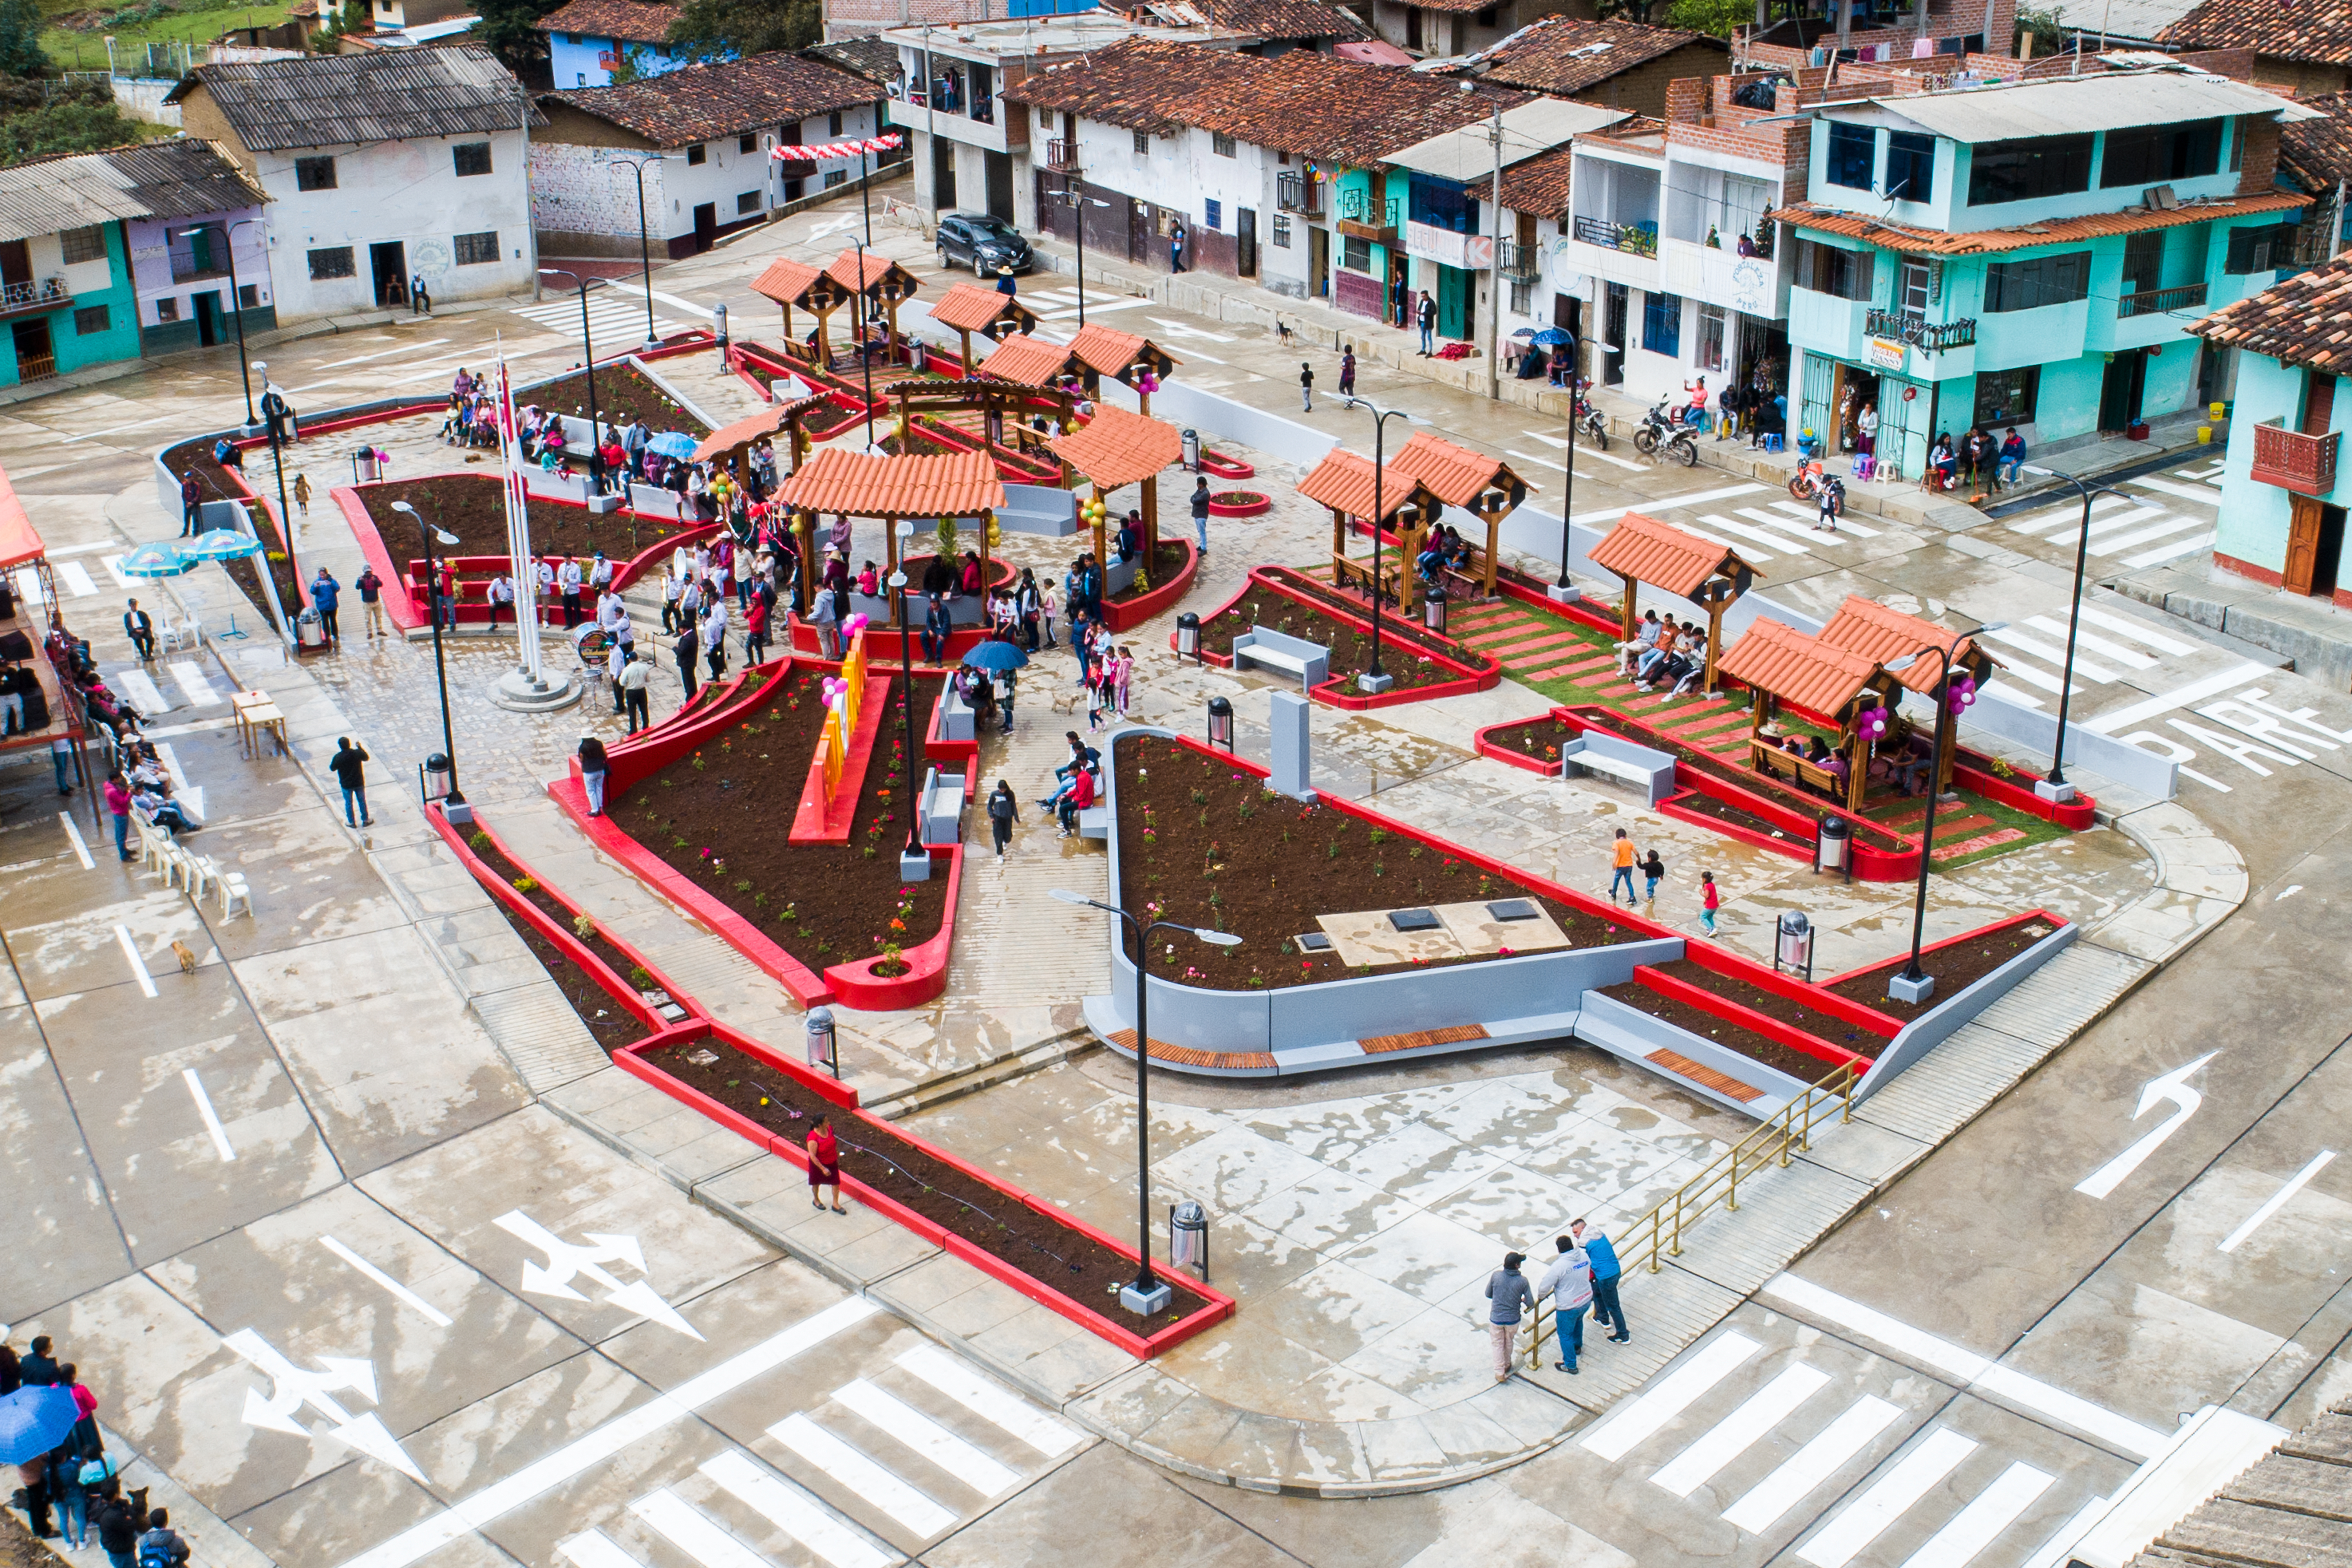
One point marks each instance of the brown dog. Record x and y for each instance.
(181, 951)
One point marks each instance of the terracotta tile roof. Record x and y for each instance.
(1663, 556)
(2312, 30)
(1140, 84)
(697, 103)
(1340, 112)
(1869, 628)
(1343, 481)
(1115, 448)
(631, 21)
(970, 307)
(1797, 668)
(1288, 19)
(786, 281)
(1032, 362)
(1822, 219)
(2306, 320)
(857, 273)
(1539, 185)
(727, 438)
(839, 480)
(874, 58)
(1564, 56)
(1454, 475)
(1108, 350)
(2319, 152)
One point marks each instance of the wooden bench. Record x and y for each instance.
(1346, 568)
(1768, 758)
(1311, 662)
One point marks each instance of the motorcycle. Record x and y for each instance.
(1655, 426)
(1590, 421)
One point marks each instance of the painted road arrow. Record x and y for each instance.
(2172, 1086)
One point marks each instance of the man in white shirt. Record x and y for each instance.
(631, 683)
(714, 638)
(501, 597)
(568, 579)
(1569, 1283)
(600, 573)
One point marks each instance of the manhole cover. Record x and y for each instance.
(1515, 910)
(1415, 920)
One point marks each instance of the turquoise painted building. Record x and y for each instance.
(2031, 254)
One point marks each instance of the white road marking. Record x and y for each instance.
(1732, 1435)
(2170, 525)
(123, 580)
(2188, 696)
(1186, 329)
(2287, 892)
(2129, 656)
(861, 1475)
(1531, 457)
(1625, 462)
(191, 797)
(991, 1402)
(2137, 630)
(694, 1533)
(2204, 495)
(144, 694)
(2113, 520)
(115, 429)
(926, 1436)
(1753, 535)
(1865, 1518)
(1989, 1513)
(2068, 512)
(1941, 1355)
(2172, 552)
(2056, 655)
(2278, 1199)
(1702, 498)
(382, 354)
(2013, 670)
(1673, 1394)
(76, 576)
(1794, 1478)
(2056, 1550)
(205, 1109)
(139, 973)
(73, 836)
(595, 1549)
(399, 1291)
(189, 676)
(641, 291)
(1747, 552)
(543, 1476)
(794, 1512)
(1789, 525)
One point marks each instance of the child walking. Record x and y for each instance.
(1710, 900)
(1653, 871)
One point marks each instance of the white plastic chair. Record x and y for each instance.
(180, 866)
(180, 637)
(231, 885)
(154, 844)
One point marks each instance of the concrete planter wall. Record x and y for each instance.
(1941, 1022)
(1632, 1034)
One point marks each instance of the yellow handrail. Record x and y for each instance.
(1661, 1230)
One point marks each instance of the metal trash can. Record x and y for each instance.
(366, 465)
(1188, 1237)
(1192, 450)
(821, 1050)
(309, 632)
(1794, 948)
(435, 774)
(1188, 638)
(1221, 723)
(1833, 847)
(1432, 611)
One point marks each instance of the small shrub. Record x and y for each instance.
(526, 884)
(480, 839)
(640, 977)
(584, 926)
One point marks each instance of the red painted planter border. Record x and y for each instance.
(1749, 1018)
(1226, 467)
(1818, 997)
(1265, 504)
(1335, 692)
(1981, 932)
(633, 1059)
(631, 761)
(1125, 615)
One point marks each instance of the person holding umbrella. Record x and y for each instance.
(998, 658)
(33, 1421)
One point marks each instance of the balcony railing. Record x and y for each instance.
(1930, 337)
(1638, 238)
(1356, 205)
(187, 267)
(1297, 194)
(2295, 462)
(1520, 261)
(2155, 302)
(1061, 155)
(34, 296)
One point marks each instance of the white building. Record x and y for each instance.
(380, 167)
(705, 137)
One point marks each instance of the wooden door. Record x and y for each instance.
(2318, 403)
(2302, 542)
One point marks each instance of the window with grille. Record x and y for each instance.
(2007, 396)
(1220, 145)
(476, 249)
(838, 177)
(1143, 143)
(1214, 214)
(169, 310)
(1282, 230)
(1355, 253)
(314, 173)
(749, 202)
(84, 244)
(335, 261)
(1523, 296)
(697, 154)
(92, 319)
(1713, 332)
(2259, 249)
(470, 158)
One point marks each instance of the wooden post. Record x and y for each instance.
(964, 333)
(905, 427)
(986, 587)
(1338, 548)
(1626, 617)
(1715, 608)
(1495, 515)
(1102, 557)
(890, 314)
(805, 524)
(1150, 520)
(1946, 727)
(1857, 781)
(895, 597)
(786, 306)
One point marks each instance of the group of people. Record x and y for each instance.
(1443, 549)
(1582, 1279)
(1975, 458)
(1661, 652)
(622, 449)
(141, 783)
(75, 1491)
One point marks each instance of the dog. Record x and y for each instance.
(1282, 333)
(186, 955)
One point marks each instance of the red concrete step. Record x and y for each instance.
(1556, 672)
(1495, 631)
(1983, 841)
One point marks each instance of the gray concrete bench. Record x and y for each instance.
(1650, 771)
(1094, 822)
(1039, 509)
(1311, 662)
(955, 717)
(942, 807)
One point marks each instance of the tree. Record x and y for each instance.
(710, 29)
(64, 127)
(20, 38)
(1719, 18)
(506, 29)
(2047, 30)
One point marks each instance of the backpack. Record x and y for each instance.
(155, 1551)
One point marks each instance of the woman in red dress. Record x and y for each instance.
(823, 1164)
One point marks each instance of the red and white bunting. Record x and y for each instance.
(816, 151)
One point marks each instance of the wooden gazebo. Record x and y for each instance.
(1476, 483)
(1116, 449)
(1644, 549)
(1870, 629)
(852, 484)
(823, 290)
(1031, 362)
(1096, 350)
(1781, 665)
(1344, 482)
(968, 308)
(999, 406)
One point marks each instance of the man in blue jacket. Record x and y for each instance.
(1605, 1270)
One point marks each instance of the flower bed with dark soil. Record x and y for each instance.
(621, 390)
(1955, 964)
(1787, 1010)
(719, 817)
(1206, 843)
(1167, 561)
(1048, 1248)
(247, 575)
(472, 507)
(1239, 503)
(1799, 1065)
(1302, 608)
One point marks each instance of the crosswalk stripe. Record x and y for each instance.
(692, 1532)
(1785, 524)
(113, 564)
(2138, 631)
(2170, 525)
(794, 1511)
(1989, 1513)
(1754, 535)
(144, 694)
(2013, 670)
(926, 1436)
(1749, 551)
(1795, 1477)
(189, 676)
(2055, 1550)
(28, 586)
(76, 577)
(2102, 526)
(1806, 514)
(595, 1549)
(1862, 1521)
(2163, 552)
(1048, 1435)
(1674, 1393)
(2065, 512)
(2132, 658)
(861, 1475)
(1730, 1438)
(2057, 656)
(2204, 495)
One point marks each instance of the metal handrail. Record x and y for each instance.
(1790, 1128)
(2155, 302)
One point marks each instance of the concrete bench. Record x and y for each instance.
(955, 717)
(1039, 509)
(1650, 771)
(942, 807)
(1094, 822)
(1311, 662)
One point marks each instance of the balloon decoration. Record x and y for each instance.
(853, 626)
(1147, 383)
(1871, 725)
(1960, 692)
(1091, 512)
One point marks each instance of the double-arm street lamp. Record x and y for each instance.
(237, 298)
(1374, 680)
(434, 534)
(588, 360)
(1914, 984)
(2056, 788)
(645, 248)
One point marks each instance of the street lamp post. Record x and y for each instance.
(645, 245)
(588, 359)
(1914, 986)
(865, 358)
(1076, 199)
(275, 409)
(1373, 680)
(2055, 787)
(237, 298)
(1559, 592)
(914, 860)
(1149, 1295)
(440, 669)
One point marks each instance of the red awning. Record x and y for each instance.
(19, 541)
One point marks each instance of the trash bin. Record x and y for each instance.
(1192, 450)
(1432, 611)
(1221, 723)
(1188, 636)
(366, 465)
(436, 773)
(821, 1045)
(309, 632)
(918, 356)
(1833, 847)
(1188, 1237)
(1793, 950)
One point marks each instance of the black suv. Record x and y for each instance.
(985, 242)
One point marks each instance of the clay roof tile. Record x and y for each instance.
(1815, 675)
(1115, 448)
(839, 480)
(1663, 556)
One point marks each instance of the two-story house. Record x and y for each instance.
(380, 168)
(704, 138)
(589, 40)
(83, 253)
(2031, 255)
(1625, 65)
(1442, 29)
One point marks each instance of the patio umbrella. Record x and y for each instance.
(157, 560)
(35, 1420)
(1525, 332)
(672, 443)
(996, 656)
(221, 544)
(1549, 337)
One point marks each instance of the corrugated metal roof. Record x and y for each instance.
(1115, 448)
(1807, 671)
(348, 100)
(1663, 556)
(838, 480)
(2111, 100)
(1528, 129)
(1455, 474)
(2120, 18)
(1866, 628)
(161, 179)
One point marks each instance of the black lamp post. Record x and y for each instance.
(645, 248)
(1074, 197)
(588, 359)
(1567, 480)
(1914, 984)
(1149, 1295)
(2057, 787)
(914, 849)
(275, 411)
(237, 298)
(440, 669)
(865, 358)
(1372, 680)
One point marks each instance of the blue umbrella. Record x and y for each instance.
(35, 1420)
(672, 443)
(996, 656)
(1551, 336)
(221, 544)
(157, 560)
